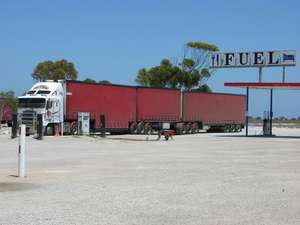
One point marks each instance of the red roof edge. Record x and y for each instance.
(263, 85)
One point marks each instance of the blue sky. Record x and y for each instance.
(113, 39)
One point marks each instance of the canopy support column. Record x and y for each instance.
(283, 74)
(271, 110)
(247, 109)
(260, 74)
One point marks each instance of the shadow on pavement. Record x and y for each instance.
(16, 186)
(261, 136)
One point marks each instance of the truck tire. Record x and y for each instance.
(235, 128)
(195, 128)
(227, 128)
(49, 131)
(74, 128)
(186, 128)
(232, 128)
(140, 128)
(179, 131)
(133, 128)
(179, 128)
(189, 128)
(238, 128)
(148, 128)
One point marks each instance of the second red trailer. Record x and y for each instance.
(158, 104)
(214, 109)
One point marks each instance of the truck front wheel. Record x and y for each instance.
(49, 131)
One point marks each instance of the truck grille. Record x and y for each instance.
(29, 118)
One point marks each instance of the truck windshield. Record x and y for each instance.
(42, 92)
(32, 102)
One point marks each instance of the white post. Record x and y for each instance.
(21, 153)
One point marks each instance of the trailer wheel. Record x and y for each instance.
(148, 128)
(74, 128)
(232, 128)
(179, 128)
(198, 128)
(179, 131)
(133, 128)
(189, 128)
(140, 128)
(238, 128)
(228, 129)
(183, 129)
(235, 128)
(194, 128)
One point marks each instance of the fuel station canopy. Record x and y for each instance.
(264, 85)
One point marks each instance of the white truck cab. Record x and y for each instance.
(46, 98)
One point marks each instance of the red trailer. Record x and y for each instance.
(156, 106)
(217, 110)
(141, 109)
(116, 102)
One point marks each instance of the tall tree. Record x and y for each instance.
(195, 59)
(190, 71)
(7, 99)
(58, 70)
(89, 80)
(104, 82)
(164, 75)
(204, 88)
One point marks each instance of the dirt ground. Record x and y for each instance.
(215, 179)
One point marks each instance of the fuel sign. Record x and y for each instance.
(253, 59)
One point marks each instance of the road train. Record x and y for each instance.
(129, 109)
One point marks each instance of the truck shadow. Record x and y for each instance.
(16, 186)
(133, 139)
(260, 136)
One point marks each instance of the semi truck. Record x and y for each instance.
(128, 109)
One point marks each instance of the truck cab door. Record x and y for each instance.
(56, 110)
(53, 110)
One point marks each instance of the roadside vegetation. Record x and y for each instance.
(190, 71)
(277, 121)
(7, 99)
